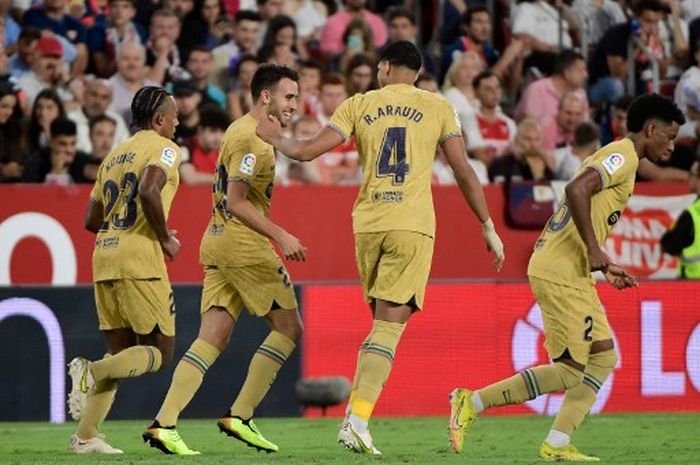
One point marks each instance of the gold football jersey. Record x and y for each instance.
(397, 131)
(247, 158)
(560, 254)
(126, 246)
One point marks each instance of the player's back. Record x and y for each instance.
(126, 246)
(397, 131)
(560, 254)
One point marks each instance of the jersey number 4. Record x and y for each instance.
(392, 156)
(126, 216)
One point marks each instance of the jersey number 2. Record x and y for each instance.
(129, 183)
(392, 156)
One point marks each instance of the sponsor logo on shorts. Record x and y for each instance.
(247, 164)
(613, 163)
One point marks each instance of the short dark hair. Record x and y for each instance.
(246, 15)
(425, 77)
(29, 34)
(402, 53)
(199, 48)
(623, 103)
(267, 76)
(468, 15)
(213, 116)
(652, 106)
(564, 60)
(310, 63)
(246, 57)
(643, 5)
(145, 104)
(332, 79)
(163, 13)
(101, 119)
(400, 12)
(63, 127)
(486, 74)
(585, 134)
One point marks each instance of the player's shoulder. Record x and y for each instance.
(241, 130)
(618, 152)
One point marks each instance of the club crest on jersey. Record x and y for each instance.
(168, 156)
(613, 163)
(247, 164)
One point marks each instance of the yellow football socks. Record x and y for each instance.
(374, 366)
(263, 368)
(187, 378)
(530, 383)
(129, 363)
(96, 408)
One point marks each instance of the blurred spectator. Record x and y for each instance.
(332, 41)
(681, 239)
(567, 160)
(214, 17)
(130, 77)
(402, 26)
(107, 36)
(458, 87)
(191, 22)
(187, 98)
(540, 99)
(97, 100)
(243, 41)
(427, 82)
(47, 71)
(477, 25)
(60, 163)
(202, 150)
(614, 124)
(673, 31)
(526, 160)
(608, 66)
(310, 72)
(361, 74)
(268, 9)
(687, 97)
(47, 107)
(282, 30)
(11, 142)
(11, 29)
(309, 16)
(200, 64)
(341, 164)
(558, 130)
(544, 31)
(305, 173)
(162, 55)
(103, 136)
(21, 61)
(357, 38)
(52, 15)
(596, 17)
(240, 100)
(489, 131)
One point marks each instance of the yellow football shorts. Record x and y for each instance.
(259, 288)
(138, 304)
(394, 265)
(573, 318)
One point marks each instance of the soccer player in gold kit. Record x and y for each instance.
(128, 209)
(241, 270)
(578, 336)
(397, 130)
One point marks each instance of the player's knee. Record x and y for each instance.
(570, 376)
(293, 330)
(606, 359)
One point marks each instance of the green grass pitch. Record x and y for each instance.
(617, 439)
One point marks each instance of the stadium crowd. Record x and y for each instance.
(538, 85)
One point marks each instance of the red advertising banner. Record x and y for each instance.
(472, 335)
(42, 240)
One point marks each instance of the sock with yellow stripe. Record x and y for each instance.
(97, 407)
(262, 371)
(579, 400)
(374, 366)
(129, 363)
(187, 378)
(530, 383)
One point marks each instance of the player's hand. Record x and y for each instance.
(171, 246)
(493, 243)
(619, 278)
(269, 129)
(291, 248)
(597, 260)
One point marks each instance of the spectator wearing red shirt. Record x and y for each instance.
(201, 151)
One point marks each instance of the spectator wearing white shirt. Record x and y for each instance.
(244, 37)
(458, 87)
(130, 77)
(567, 160)
(687, 97)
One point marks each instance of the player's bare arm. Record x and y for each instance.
(149, 192)
(473, 193)
(270, 130)
(245, 211)
(94, 216)
(578, 196)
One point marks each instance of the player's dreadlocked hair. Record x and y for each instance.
(145, 104)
